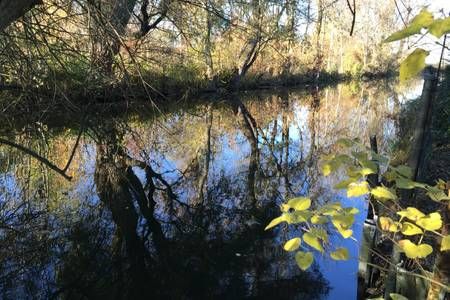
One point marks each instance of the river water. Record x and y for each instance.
(171, 203)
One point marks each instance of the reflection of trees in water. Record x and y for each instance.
(197, 236)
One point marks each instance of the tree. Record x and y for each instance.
(12, 10)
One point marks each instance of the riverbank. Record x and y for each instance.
(160, 89)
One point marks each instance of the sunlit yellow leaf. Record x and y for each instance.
(430, 222)
(326, 169)
(411, 213)
(367, 171)
(423, 19)
(445, 243)
(439, 27)
(413, 64)
(276, 221)
(313, 241)
(381, 192)
(292, 244)
(343, 223)
(357, 189)
(299, 203)
(410, 229)
(340, 254)
(387, 224)
(415, 251)
(304, 259)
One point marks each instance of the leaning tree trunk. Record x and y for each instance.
(12, 10)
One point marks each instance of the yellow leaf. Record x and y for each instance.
(345, 220)
(366, 171)
(326, 169)
(415, 251)
(304, 259)
(430, 222)
(313, 241)
(439, 27)
(411, 213)
(346, 233)
(276, 221)
(317, 219)
(343, 224)
(357, 189)
(380, 192)
(423, 19)
(445, 243)
(413, 64)
(340, 254)
(410, 229)
(292, 244)
(387, 224)
(299, 203)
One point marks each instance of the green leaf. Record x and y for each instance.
(340, 254)
(304, 259)
(411, 213)
(351, 210)
(320, 233)
(298, 217)
(344, 184)
(397, 297)
(313, 241)
(407, 184)
(299, 204)
(413, 64)
(439, 27)
(437, 195)
(276, 221)
(415, 251)
(423, 19)
(404, 170)
(381, 192)
(430, 222)
(317, 219)
(357, 189)
(345, 142)
(410, 229)
(292, 244)
(445, 243)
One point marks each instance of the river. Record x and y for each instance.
(171, 202)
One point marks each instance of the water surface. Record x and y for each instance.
(172, 203)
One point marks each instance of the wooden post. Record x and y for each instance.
(423, 121)
(416, 156)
